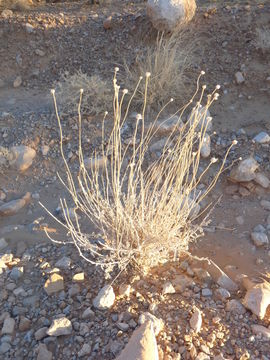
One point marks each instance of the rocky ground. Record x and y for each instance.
(50, 300)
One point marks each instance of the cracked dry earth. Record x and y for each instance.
(51, 301)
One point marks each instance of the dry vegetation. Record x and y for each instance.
(262, 41)
(147, 213)
(97, 93)
(168, 61)
(16, 4)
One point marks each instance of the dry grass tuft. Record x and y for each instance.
(168, 61)
(18, 5)
(147, 212)
(262, 40)
(97, 93)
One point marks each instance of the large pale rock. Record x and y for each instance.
(245, 170)
(257, 299)
(196, 320)
(23, 157)
(142, 344)
(12, 207)
(54, 284)
(259, 238)
(61, 326)
(105, 298)
(157, 323)
(166, 15)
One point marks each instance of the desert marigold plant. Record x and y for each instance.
(147, 212)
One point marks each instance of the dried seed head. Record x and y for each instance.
(116, 69)
(81, 91)
(125, 91)
(171, 100)
(218, 87)
(147, 74)
(213, 160)
(202, 72)
(52, 91)
(234, 142)
(139, 117)
(204, 87)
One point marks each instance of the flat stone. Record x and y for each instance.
(222, 294)
(207, 292)
(239, 78)
(258, 329)
(234, 306)
(54, 284)
(4, 347)
(8, 326)
(105, 298)
(196, 320)
(225, 282)
(24, 324)
(12, 207)
(262, 138)
(59, 327)
(41, 333)
(262, 180)
(123, 326)
(43, 353)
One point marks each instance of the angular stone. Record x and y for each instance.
(262, 180)
(24, 324)
(22, 157)
(196, 320)
(234, 306)
(222, 294)
(245, 171)
(12, 207)
(54, 284)
(41, 333)
(142, 344)
(63, 263)
(43, 353)
(207, 292)
(168, 288)
(262, 138)
(105, 298)
(225, 282)
(158, 324)
(124, 290)
(257, 299)
(8, 326)
(59, 327)
(239, 78)
(260, 239)
(78, 277)
(258, 329)
(88, 314)
(85, 350)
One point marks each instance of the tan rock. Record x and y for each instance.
(78, 277)
(196, 320)
(142, 344)
(12, 207)
(54, 284)
(257, 299)
(59, 327)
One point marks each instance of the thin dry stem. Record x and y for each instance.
(146, 213)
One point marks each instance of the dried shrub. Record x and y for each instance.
(168, 61)
(97, 93)
(147, 212)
